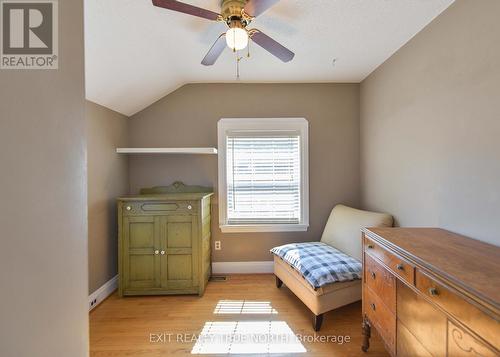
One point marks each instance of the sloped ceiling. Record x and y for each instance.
(137, 53)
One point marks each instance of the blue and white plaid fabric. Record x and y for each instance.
(319, 263)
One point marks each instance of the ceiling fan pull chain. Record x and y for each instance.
(237, 66)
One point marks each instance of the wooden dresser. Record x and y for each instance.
(429, 292)
(164, 241)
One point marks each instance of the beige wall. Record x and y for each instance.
(107, 179)
(43, 213)
(188, 117)
(430, 126)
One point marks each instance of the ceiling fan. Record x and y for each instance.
(237, 14)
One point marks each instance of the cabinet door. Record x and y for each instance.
(179, 264)
(422, 320)
(141, 262)
(463, 344)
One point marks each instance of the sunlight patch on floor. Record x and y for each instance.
(244, 307)
(247, 337)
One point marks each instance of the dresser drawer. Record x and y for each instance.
(381, 282)
(381, 317)
(158, 207)
(397, 265)
(459, 307)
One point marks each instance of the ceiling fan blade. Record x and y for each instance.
(186, 8)
(256, 7)
(271, 46)
(215, 51)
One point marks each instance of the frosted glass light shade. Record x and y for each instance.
(237, 38)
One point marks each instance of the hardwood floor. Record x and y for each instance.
(247, 307)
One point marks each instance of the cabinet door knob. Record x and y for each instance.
(162, 252)
(370, 246)
(190, 207)
(373, 274)
(400, 267)
(157, 252)
(128, 208)
(433, 291)
(372, 306)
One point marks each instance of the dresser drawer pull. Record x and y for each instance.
(157, 252)
(162, 252)
(400, 267)
(190, 207)
(433, 291)
(372, 306)
(373, 274)
(128, 208)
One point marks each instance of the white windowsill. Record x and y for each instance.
(264, 228)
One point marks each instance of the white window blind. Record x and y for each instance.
(263, 179)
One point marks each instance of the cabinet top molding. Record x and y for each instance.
(176, 191)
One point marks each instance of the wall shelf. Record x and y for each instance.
(202, 151)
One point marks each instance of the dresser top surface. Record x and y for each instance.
(471, 264)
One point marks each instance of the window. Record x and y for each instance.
(263, 175)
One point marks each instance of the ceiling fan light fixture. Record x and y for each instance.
(237, 15)
(237, 38)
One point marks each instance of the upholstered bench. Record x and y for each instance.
(326, 275)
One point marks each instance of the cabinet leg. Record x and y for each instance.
(366, 332)
(317, 321)
(279, 283)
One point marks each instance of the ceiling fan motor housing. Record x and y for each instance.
(232, 13)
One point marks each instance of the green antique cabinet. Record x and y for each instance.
(164, 241)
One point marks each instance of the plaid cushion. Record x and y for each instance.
(319, 263)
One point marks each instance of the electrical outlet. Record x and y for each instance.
(217, 245)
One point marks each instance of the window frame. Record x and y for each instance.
(259, 125)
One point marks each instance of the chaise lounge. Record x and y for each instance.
(326, 275)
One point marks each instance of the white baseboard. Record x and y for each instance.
(103, 292)
(243, 267)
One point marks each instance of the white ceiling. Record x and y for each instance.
(137, 53)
